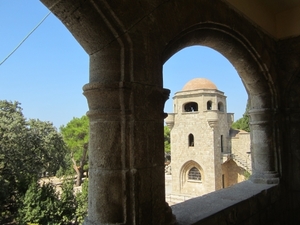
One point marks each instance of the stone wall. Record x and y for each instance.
(233, 173)
(241, 148)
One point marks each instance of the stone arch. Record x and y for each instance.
(185, 171)
(125, 93)
(191, 140)
(257, 81)
(236, 48)
(190, 107)
(209, 105)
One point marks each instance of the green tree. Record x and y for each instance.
(82, 203)
(52, 148)
(68, 204)
(76, 136)
(40, 205)
(243, 123)
(24, 155)
(167, 139)
(16, 158)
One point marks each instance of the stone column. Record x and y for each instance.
(262, 146)
(126, 101)
(126, 149)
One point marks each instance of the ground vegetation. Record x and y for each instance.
(30, 150)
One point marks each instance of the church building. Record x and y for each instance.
(207, 154)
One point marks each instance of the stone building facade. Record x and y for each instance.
(128, 43)
(201, 141)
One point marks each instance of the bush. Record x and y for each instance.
(40, 205)
(43, 205)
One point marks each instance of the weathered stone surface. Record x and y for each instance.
(128, 42)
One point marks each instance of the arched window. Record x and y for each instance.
(221, 106)
(190, 107)
(209, 105)
(194, 174)
(191, 140)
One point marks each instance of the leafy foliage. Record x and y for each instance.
(43, 205)
(30, 149)
(76, 136)
(40, 205)
(27, 149)
(167, 139)
(243, 123)
(68, 204)
(13, 144)
(51, 144)
(82, 203)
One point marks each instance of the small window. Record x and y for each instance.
(222, 150)
(194, 174)
(209, 105)
(191, 107)
(221, 106)
(191, 140)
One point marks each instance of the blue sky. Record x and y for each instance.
(47, 72)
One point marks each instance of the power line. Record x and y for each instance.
(16, 48)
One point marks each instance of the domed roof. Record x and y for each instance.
(199, 83)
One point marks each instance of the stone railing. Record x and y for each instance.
(238, 204)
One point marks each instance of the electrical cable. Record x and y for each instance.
(16, 48)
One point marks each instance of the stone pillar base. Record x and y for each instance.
(267, 178)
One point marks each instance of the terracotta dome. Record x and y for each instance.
(199, 83)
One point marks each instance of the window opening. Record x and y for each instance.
(191, 140)
(194, 174)
(191, 107)
(222, 150)
(220, 107)
(209, 105)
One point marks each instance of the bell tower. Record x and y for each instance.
(199, 135)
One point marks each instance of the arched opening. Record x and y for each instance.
(190, 107)
(234, 45)
(207, 97)
(209, 105)
(191, 179)
(253, 92)
(191, 140)
(194, 174)
(45, 75)
(55, 71)
(252, 71)
(186, 64)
